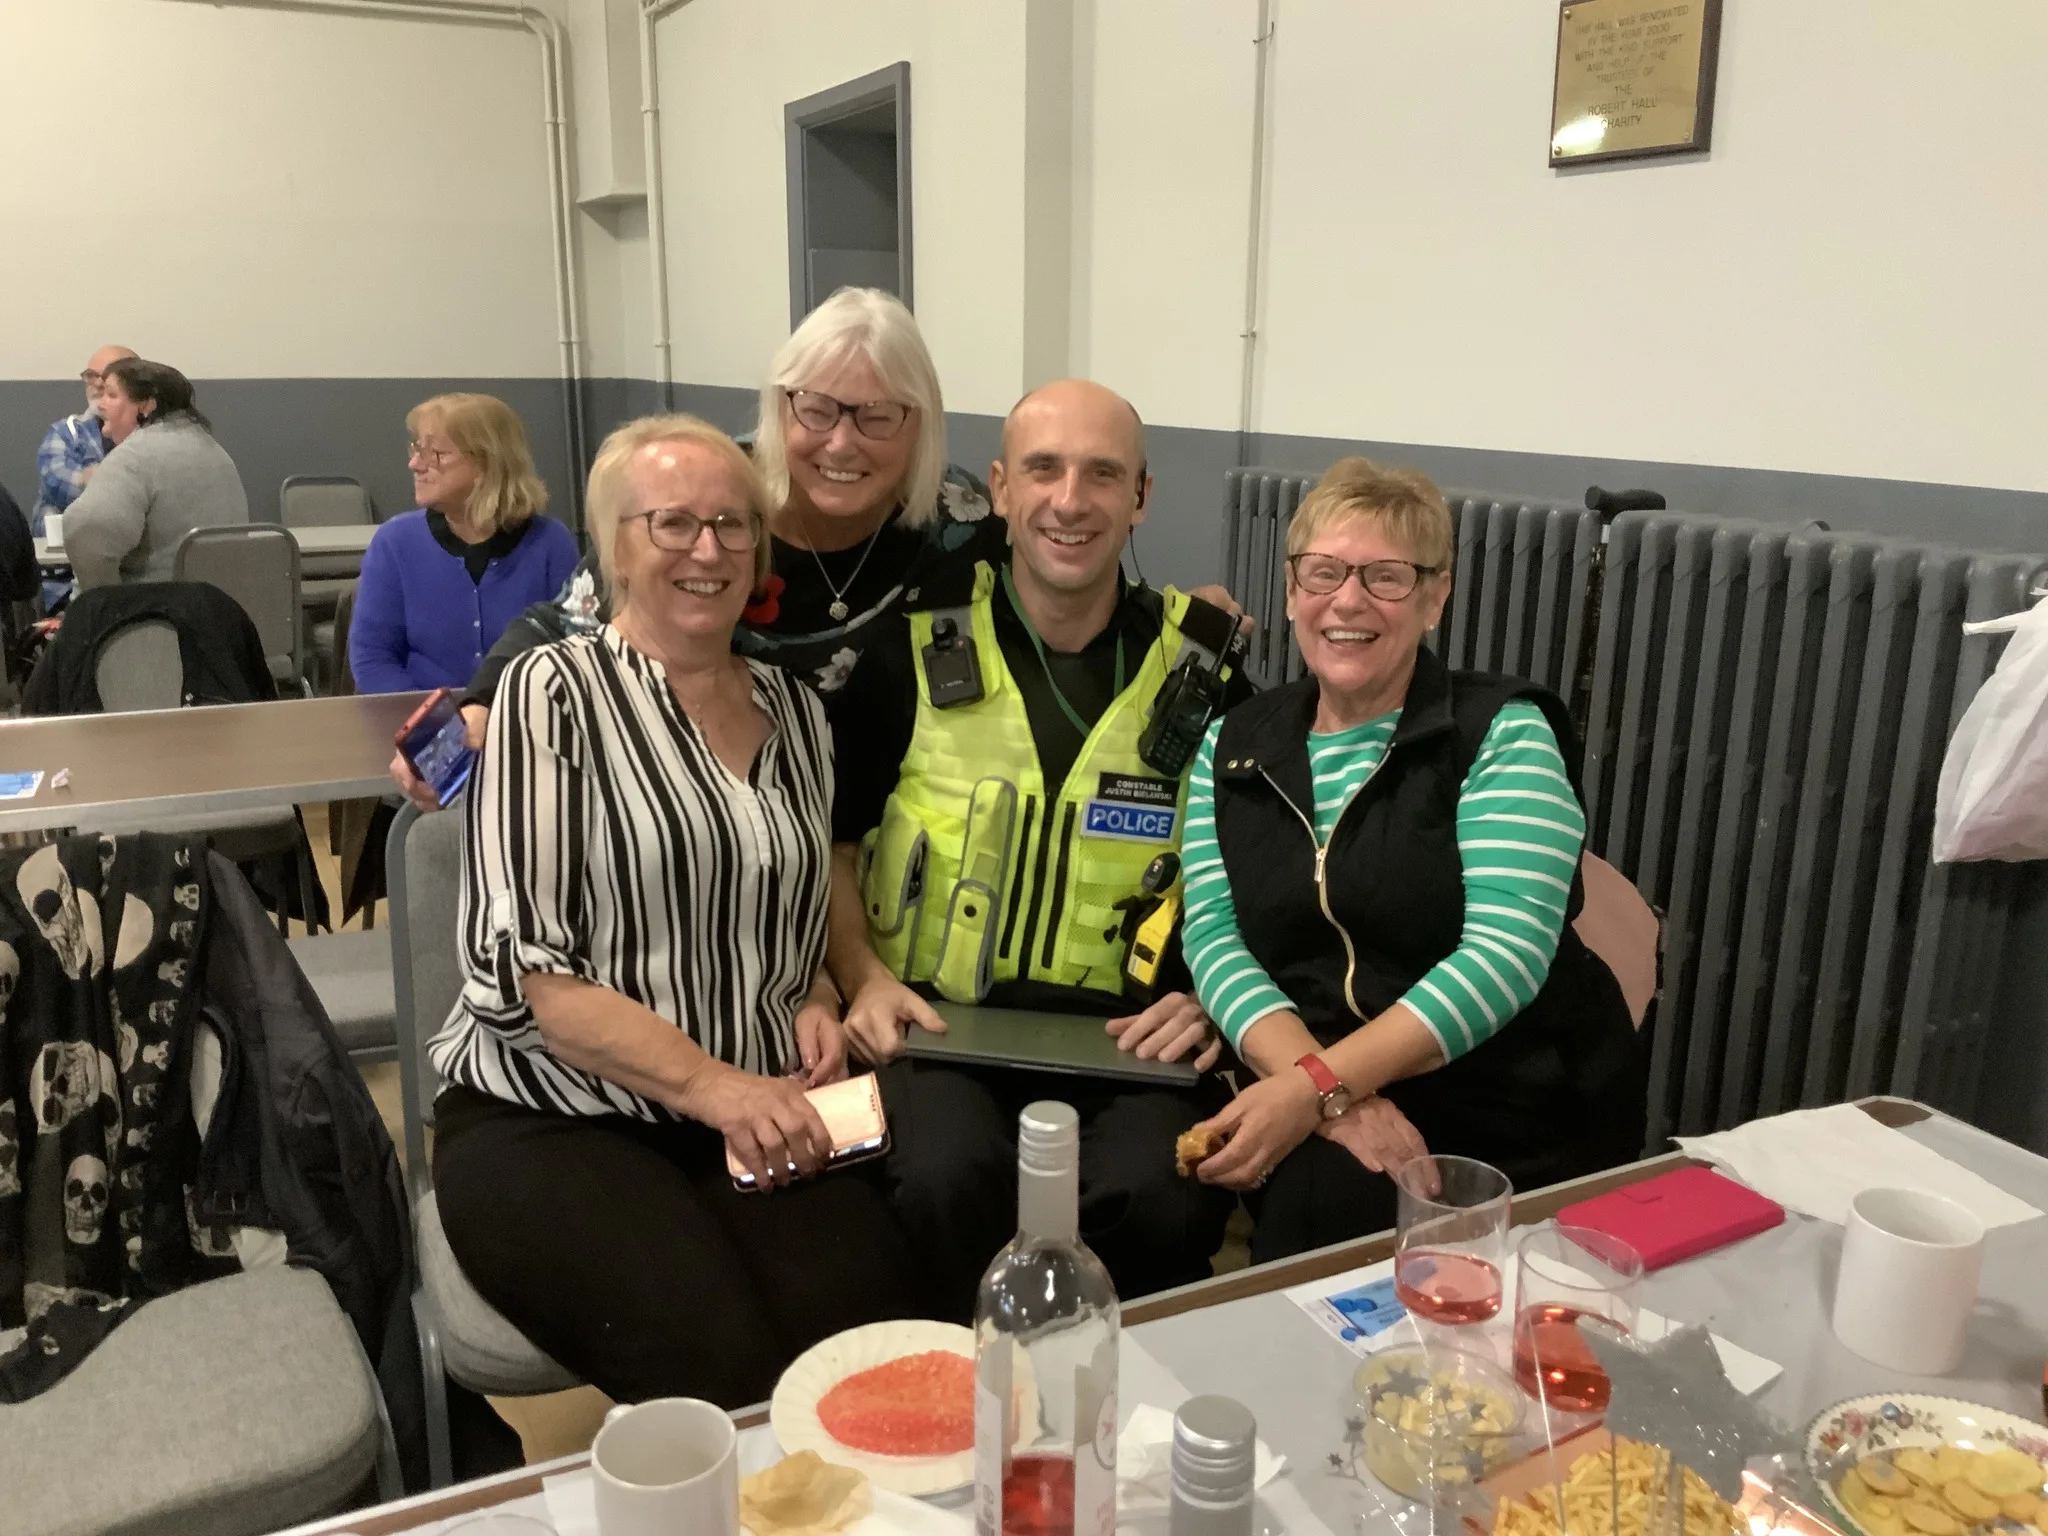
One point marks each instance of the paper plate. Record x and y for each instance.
(1897, 1421)
(793, 1410)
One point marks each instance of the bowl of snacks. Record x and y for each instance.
(1911, 1464)
(1435, 1421)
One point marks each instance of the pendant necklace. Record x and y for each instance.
(837, 608)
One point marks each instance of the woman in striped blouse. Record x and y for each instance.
(1381, 865)
(643, 934)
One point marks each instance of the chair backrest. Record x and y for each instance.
(423, 869)
(1619, 926)
(323, 501)
(141, 667)
(257, 564)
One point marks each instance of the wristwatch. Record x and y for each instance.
(1329, 1086)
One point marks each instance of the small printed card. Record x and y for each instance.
(20, 786)
(1357, 1309)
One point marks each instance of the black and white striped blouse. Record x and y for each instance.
(608, 842)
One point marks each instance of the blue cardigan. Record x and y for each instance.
(420, 622)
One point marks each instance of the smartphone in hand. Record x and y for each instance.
(435, 744)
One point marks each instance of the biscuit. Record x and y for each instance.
(1194, 1148)
(1882, 1477)
(1968, 1502)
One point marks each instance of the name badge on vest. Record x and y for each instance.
(1134, 808)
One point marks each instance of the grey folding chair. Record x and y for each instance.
(232, 1407)
(257, 564)
(351, 973)
(323, 501)
(462, 1337)
(141, 667)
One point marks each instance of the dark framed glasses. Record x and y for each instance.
(876, 419)
(676, 530)
(1388, 580)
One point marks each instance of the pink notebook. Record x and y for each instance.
(1678, 1215)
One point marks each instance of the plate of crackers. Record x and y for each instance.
(1908, 1464)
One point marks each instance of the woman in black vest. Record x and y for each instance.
(1382, 868)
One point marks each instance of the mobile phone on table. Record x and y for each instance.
(852, 1112)
(435, 744)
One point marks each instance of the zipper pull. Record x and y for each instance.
(1321, 851)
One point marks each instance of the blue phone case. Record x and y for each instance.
(445, 759)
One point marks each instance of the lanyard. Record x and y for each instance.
(1038, 645)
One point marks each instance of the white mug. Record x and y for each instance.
(666, 1465)
(1910, 1264)
(53, 528)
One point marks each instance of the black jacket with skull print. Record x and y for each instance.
(162, 1050)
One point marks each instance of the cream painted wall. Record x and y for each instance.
(728, 67)
(1162, 181)
(1850, 283)
(253, 194)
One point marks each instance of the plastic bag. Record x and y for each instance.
(1992, 802)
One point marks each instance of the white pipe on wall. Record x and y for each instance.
(547, 33)
(1254, 232)
(652, 11)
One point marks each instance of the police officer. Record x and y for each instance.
(997, 813)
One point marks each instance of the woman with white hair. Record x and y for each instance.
(643, 940)
(851, 442)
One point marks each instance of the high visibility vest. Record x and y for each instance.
(978, 874)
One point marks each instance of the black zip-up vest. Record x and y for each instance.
(1558, 1089)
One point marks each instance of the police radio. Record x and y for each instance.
(1192, 694)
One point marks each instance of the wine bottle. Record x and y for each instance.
(1045, 1327)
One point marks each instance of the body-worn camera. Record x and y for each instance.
(952, 669)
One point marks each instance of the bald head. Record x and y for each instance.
(1082, 401)
(1071, 484)
(97, 365)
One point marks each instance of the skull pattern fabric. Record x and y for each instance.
(92, 1063)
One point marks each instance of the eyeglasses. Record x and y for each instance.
(676, 530)
(1388, 580)
(90, 377)
(879, 420)
(434, 456)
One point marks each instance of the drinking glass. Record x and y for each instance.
(1566, 1276)
(1451, 1240)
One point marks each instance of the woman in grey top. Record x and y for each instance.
(164, 477)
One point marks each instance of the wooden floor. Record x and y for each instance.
(560, 1423)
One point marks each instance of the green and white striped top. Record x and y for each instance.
(1520, 831)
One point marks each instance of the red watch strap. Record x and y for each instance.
(1319, 1073)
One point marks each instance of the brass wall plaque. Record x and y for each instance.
(1634, 78)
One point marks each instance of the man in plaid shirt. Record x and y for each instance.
(73, 447)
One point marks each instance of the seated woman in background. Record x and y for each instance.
(164, 476)
(1382, 864)
(643, 932)
(440, 584)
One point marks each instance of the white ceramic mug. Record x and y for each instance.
(666, 1465)
(53, 528)
(1910, 1265)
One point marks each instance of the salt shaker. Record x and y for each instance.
(1215, 1442)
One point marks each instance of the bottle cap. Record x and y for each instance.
(1048, 1138)
(1215, 1441)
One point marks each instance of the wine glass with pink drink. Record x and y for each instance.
(1451, 1239)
